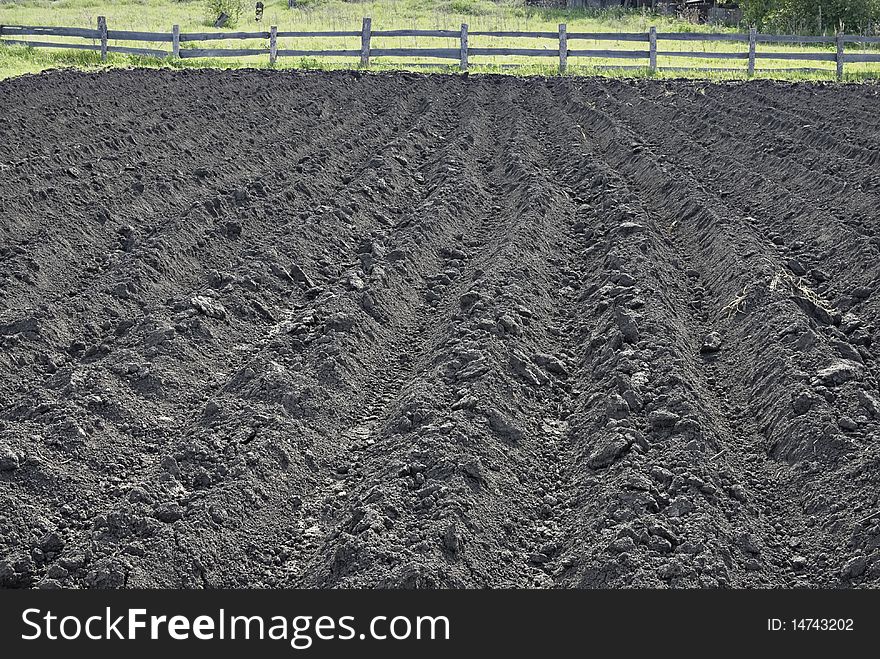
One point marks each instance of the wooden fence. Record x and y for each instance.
(102, 36)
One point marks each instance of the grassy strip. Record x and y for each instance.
(319, 15)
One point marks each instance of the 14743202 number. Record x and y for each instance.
(821, 624)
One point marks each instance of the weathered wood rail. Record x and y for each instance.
(102, 36)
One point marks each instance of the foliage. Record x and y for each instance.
(472, 7)
(755, 12)
(232, 8)
(811, 16)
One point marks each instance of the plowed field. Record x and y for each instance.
(334, 330)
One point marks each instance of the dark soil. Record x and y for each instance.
(328, 330)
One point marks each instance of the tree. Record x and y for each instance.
(811, 16)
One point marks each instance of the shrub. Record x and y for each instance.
(232, 8)
(472, 7)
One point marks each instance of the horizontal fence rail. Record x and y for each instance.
(27, 35)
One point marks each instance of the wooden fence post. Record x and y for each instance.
(175, 41)
(273, 44)
(563, 48)
(839, 58)
(102, 33)
(652, 49)
(753, 38)
(365, 43)
(463, 57)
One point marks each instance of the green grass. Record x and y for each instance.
(506, 15)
